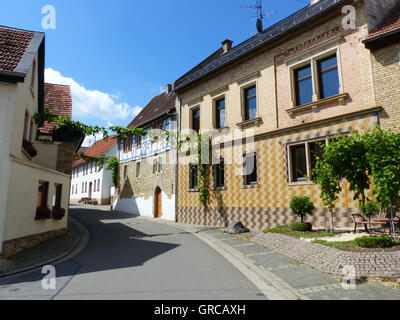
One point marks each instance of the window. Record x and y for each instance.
(125, 172)
(73, 189)
(303, 159)
(328, 77)
(31, 130)
(95, 185)
(154, 166)
(43, 192)
(193, 176)
(316, 152)
(196, 119)
(85, 187)
(98, 185)
(220, 113)
(219, 175)
(299, 163)
(33, 76)
(304, 89)
(26, 125)
(57, 201)
(318, 79)
(138, 141)
(91, 167)
(160, 166)
(138, 170)
(250, 106)
(250, 176)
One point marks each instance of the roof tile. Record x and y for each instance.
(58, 98)
(13, 44)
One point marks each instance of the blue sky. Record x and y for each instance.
(116, 55)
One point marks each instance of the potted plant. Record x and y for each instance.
(43, 213)
(28, 147)
(58, 213)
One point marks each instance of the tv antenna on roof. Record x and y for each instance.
(260, 14)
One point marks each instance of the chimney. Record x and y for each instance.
(168, 89)
(227, 45)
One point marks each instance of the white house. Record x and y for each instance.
(88, 180)
(34, 168)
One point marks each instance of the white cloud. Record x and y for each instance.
(93, 103)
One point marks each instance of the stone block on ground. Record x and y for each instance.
(236, 227)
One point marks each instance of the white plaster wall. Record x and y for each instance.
(145, 207)
(22, 200)
(104, 175)
(7, 108)
(90, 177)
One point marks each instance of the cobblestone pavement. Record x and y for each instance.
(331, 260)
(305, 282)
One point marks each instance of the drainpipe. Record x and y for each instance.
(179, 126)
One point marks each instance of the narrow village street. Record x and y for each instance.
(128, 258)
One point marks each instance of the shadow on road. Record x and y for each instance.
(112, 245)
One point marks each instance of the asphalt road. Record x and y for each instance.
(130, 258)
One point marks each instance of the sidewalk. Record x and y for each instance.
(293, 279)
(46, 253)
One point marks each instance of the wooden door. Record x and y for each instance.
(157, 204)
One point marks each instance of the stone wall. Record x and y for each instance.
(136, 194)
(65, 157)
(13, 247)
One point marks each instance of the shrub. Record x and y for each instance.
(375, 242)
(370, 209)
(301, 226)
(58, 213)
(43, 213)
(301, 206)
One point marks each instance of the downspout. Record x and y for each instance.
(179, 127)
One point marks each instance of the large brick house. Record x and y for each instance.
(147, 185)
(292, 87)
(34, 171)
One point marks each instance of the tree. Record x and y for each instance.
(344, 158)
(301, 207)
(383, 155)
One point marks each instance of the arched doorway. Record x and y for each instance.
(157, 203)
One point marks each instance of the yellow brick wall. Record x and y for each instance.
(386, 71)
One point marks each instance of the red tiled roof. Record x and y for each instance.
(158, 106)
(13, 44)
(390, 23)
(97, 149)
(58, 98)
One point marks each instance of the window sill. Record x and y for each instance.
(341, 98)
(251, 186)
(193, 190)
(219, 189)
(248, 123)
(301, 183)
